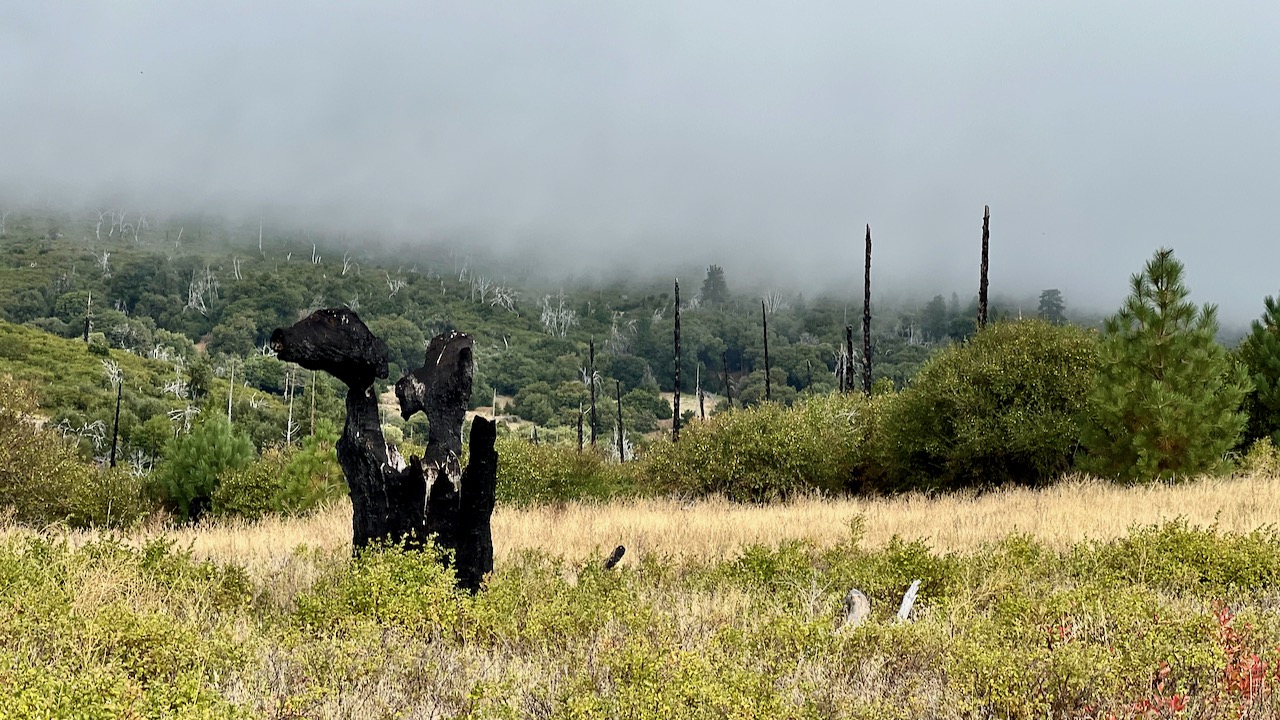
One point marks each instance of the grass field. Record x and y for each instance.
(1081, 600)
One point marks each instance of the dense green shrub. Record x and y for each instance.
(1000, 408)
(1167, 401)
(194, 462)
(286, 480)
(825, 443)
(545, 473)
(41, 474)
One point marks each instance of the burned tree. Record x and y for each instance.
(866, 321)
(591, 379)
(764, 320)
(675, 415)
(432, 495)
(982, 279)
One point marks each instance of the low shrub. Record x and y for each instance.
(825, 444)
(530, 474)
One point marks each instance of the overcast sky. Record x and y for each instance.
(761, 136)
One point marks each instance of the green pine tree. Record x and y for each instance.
(1260, 353)
(1168, 396)
(195, 462)
(1051, 306)
(715, 291)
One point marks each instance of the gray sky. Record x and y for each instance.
(761, 136)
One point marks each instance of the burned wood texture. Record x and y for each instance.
(432, 496)
(866, 321)
(335, 341)
(675, 401)
(982, 273)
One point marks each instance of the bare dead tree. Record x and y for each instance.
(675, 416)
(504, 297)
(848, 358)
(580, 414)
(775, 301)
(982, 280)
(559, 318)
(591, 371)
(115, 426)
(348, 264)
(768, 384)
(622, 455)
(866, 321)
(235, 268)
(315, 259)
(104, 263)
(728, 388)
(702, 396)
(88, 316)
(395, 285)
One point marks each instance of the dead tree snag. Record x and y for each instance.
(432, 496)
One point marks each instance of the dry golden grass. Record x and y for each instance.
(1072, 510)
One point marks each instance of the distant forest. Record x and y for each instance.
(164, 289)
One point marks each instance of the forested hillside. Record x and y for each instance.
(206, 296)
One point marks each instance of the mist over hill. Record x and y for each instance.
(598, 140)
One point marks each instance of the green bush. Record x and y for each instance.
(194, 462)
(1000, 408)
(825, 443)
(110, 498)
(41, 474)
(531, 474)
(286, 480)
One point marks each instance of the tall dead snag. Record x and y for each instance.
(115, 426)
(846, 371)
(622, 455)
(432, 496)
(728, 389)
(866, 321)
(675, 414)
(591, 379)
(764, 321)
(982, 279)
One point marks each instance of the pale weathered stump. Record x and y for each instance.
(433, 495)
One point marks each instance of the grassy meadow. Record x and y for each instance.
(1083, 600)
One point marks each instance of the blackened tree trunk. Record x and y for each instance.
(764, 321)
(390, 502)
(675, 414)
(115, 426)
(866, 321)
(622, 455)
(88, 316)
(728, 389)
(846, 374)
(702, 397)
(982, 279)
(591, 380)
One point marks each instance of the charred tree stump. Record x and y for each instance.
(433, 495)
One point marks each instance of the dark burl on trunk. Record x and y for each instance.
(432, 495)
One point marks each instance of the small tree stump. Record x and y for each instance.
(433, 496)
